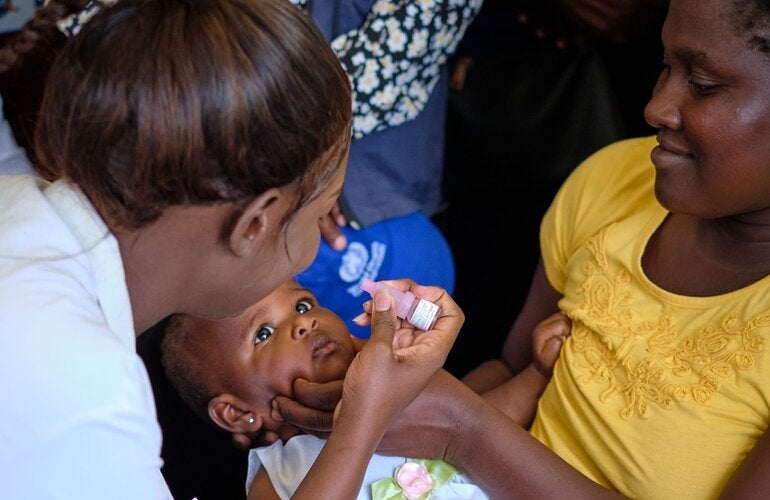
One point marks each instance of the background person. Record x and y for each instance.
(656, 248)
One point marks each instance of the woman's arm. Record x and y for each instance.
(385, 376)
(262, 488)
(506, 462)
(518, 397)
(450, 421)
(312, 409)
(542, 301)
(751, 480)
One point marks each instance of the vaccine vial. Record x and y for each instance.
(419, 312)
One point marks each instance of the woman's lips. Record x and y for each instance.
(668, 153)
(672, 147)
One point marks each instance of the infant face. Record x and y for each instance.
(285, 336)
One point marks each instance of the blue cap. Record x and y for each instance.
(410, 246)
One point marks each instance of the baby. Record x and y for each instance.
(228, 372)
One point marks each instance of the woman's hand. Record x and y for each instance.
(385, 376)
(392, 369)
(312, 410)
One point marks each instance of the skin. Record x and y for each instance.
(289, 335)
(396, 355)
(330, 228)
(711, 106)
(214, 261)
(285, 336)
(188, 260)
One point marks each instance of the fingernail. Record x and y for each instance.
(382, 301)
(340, 242)
(274, 413)
(359, 319)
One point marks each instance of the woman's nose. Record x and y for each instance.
(662, 110)
(304, 324)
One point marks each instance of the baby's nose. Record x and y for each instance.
(303, 326)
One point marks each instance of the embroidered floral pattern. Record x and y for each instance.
(652, 362)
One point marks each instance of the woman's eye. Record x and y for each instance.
(304, 306)
(263, 333)
(700, 88)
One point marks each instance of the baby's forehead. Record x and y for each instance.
(287, 292)
(262, 311)
(292, 286)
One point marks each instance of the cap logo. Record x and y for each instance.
(358, 263)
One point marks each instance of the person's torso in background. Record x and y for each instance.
(397, 170)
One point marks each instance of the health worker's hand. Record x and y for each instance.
(312, 411)
(398, 360)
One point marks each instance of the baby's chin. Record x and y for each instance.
(331, 359)
(331, 370)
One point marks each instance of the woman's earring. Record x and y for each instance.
(251, 420)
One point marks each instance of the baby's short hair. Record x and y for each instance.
(185, 368)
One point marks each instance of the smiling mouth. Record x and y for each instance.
(669, 147)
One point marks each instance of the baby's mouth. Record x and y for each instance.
(323, 346)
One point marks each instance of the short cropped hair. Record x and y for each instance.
(189, 373)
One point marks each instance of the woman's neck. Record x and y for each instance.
(705, 257)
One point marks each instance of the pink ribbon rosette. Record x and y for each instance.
(414, 480)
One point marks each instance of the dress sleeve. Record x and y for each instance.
(394, 59)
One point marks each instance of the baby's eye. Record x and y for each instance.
(263, 333)
(303, 306)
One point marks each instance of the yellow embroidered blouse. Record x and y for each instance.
(656, 395)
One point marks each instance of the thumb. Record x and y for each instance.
(551, 350)
(384, 321)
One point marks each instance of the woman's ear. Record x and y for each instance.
(254, 223)
(233, 415)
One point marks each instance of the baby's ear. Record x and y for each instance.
(233, 415)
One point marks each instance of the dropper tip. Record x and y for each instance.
(368, 286)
